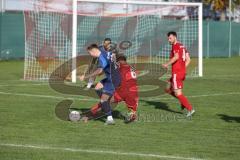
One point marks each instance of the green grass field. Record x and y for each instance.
(29, 129)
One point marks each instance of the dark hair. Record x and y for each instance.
(107, 39)
(121, 57)
(172, 33)
(92, 46)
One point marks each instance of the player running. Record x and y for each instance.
(106, 87)
(179, 59)
(127, 91)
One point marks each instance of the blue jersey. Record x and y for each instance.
(102, 49)
(111, 70)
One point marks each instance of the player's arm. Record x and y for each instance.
(172, 60)
(188, 60)
(98, 71)
(91, 67)
(102, 64)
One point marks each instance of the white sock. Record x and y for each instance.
(109, 118)
(90, 82)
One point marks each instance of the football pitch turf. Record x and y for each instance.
(30, 130)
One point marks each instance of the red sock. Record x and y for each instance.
(173, 94)
(184, 101)
(95, 108)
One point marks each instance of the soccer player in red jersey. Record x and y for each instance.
(179, 59)
(127, 91)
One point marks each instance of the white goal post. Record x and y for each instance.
(75, 14)
(54, 35)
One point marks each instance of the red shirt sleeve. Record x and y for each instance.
(176, 49)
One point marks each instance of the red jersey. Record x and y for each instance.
(128, 76)
(128, 90)
(179, 65)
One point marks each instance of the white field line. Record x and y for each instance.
(97, 151)
(91, 99)
(26, 84)
(222, 76)
(47, 96)
(46, 83)
(23, 85)
(209, 77)
(197, 96)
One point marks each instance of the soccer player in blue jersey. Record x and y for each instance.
(106, 87)
(105, 45)
(104, 48)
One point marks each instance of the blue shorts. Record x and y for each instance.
(108, 87)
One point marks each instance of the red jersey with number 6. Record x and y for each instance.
(128, 76)
(179, 65)
(128, 90)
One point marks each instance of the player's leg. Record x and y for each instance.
(132, 106)
(182, 99)
(108, 91)
(98, 88)
(101, 109)
(106, 107)
(96, 108)
(117, 96)
(169, 90)
(115, 99)
(177, 86)
(131, 98)
(92, 113)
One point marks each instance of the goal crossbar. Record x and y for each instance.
(143, 2)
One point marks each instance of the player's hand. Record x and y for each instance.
(99, 86)
(81, 77)
(165, 66)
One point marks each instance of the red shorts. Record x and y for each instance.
(129, 97)
(177, 80)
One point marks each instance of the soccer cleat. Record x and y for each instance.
(131, 117)
(190, 113)
(109, 122)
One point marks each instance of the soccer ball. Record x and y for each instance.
(74, 116)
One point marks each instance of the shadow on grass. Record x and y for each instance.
(160, 105)
(229, 119)
(100, 116)
(64, 107)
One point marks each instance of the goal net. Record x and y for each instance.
(55, 34)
